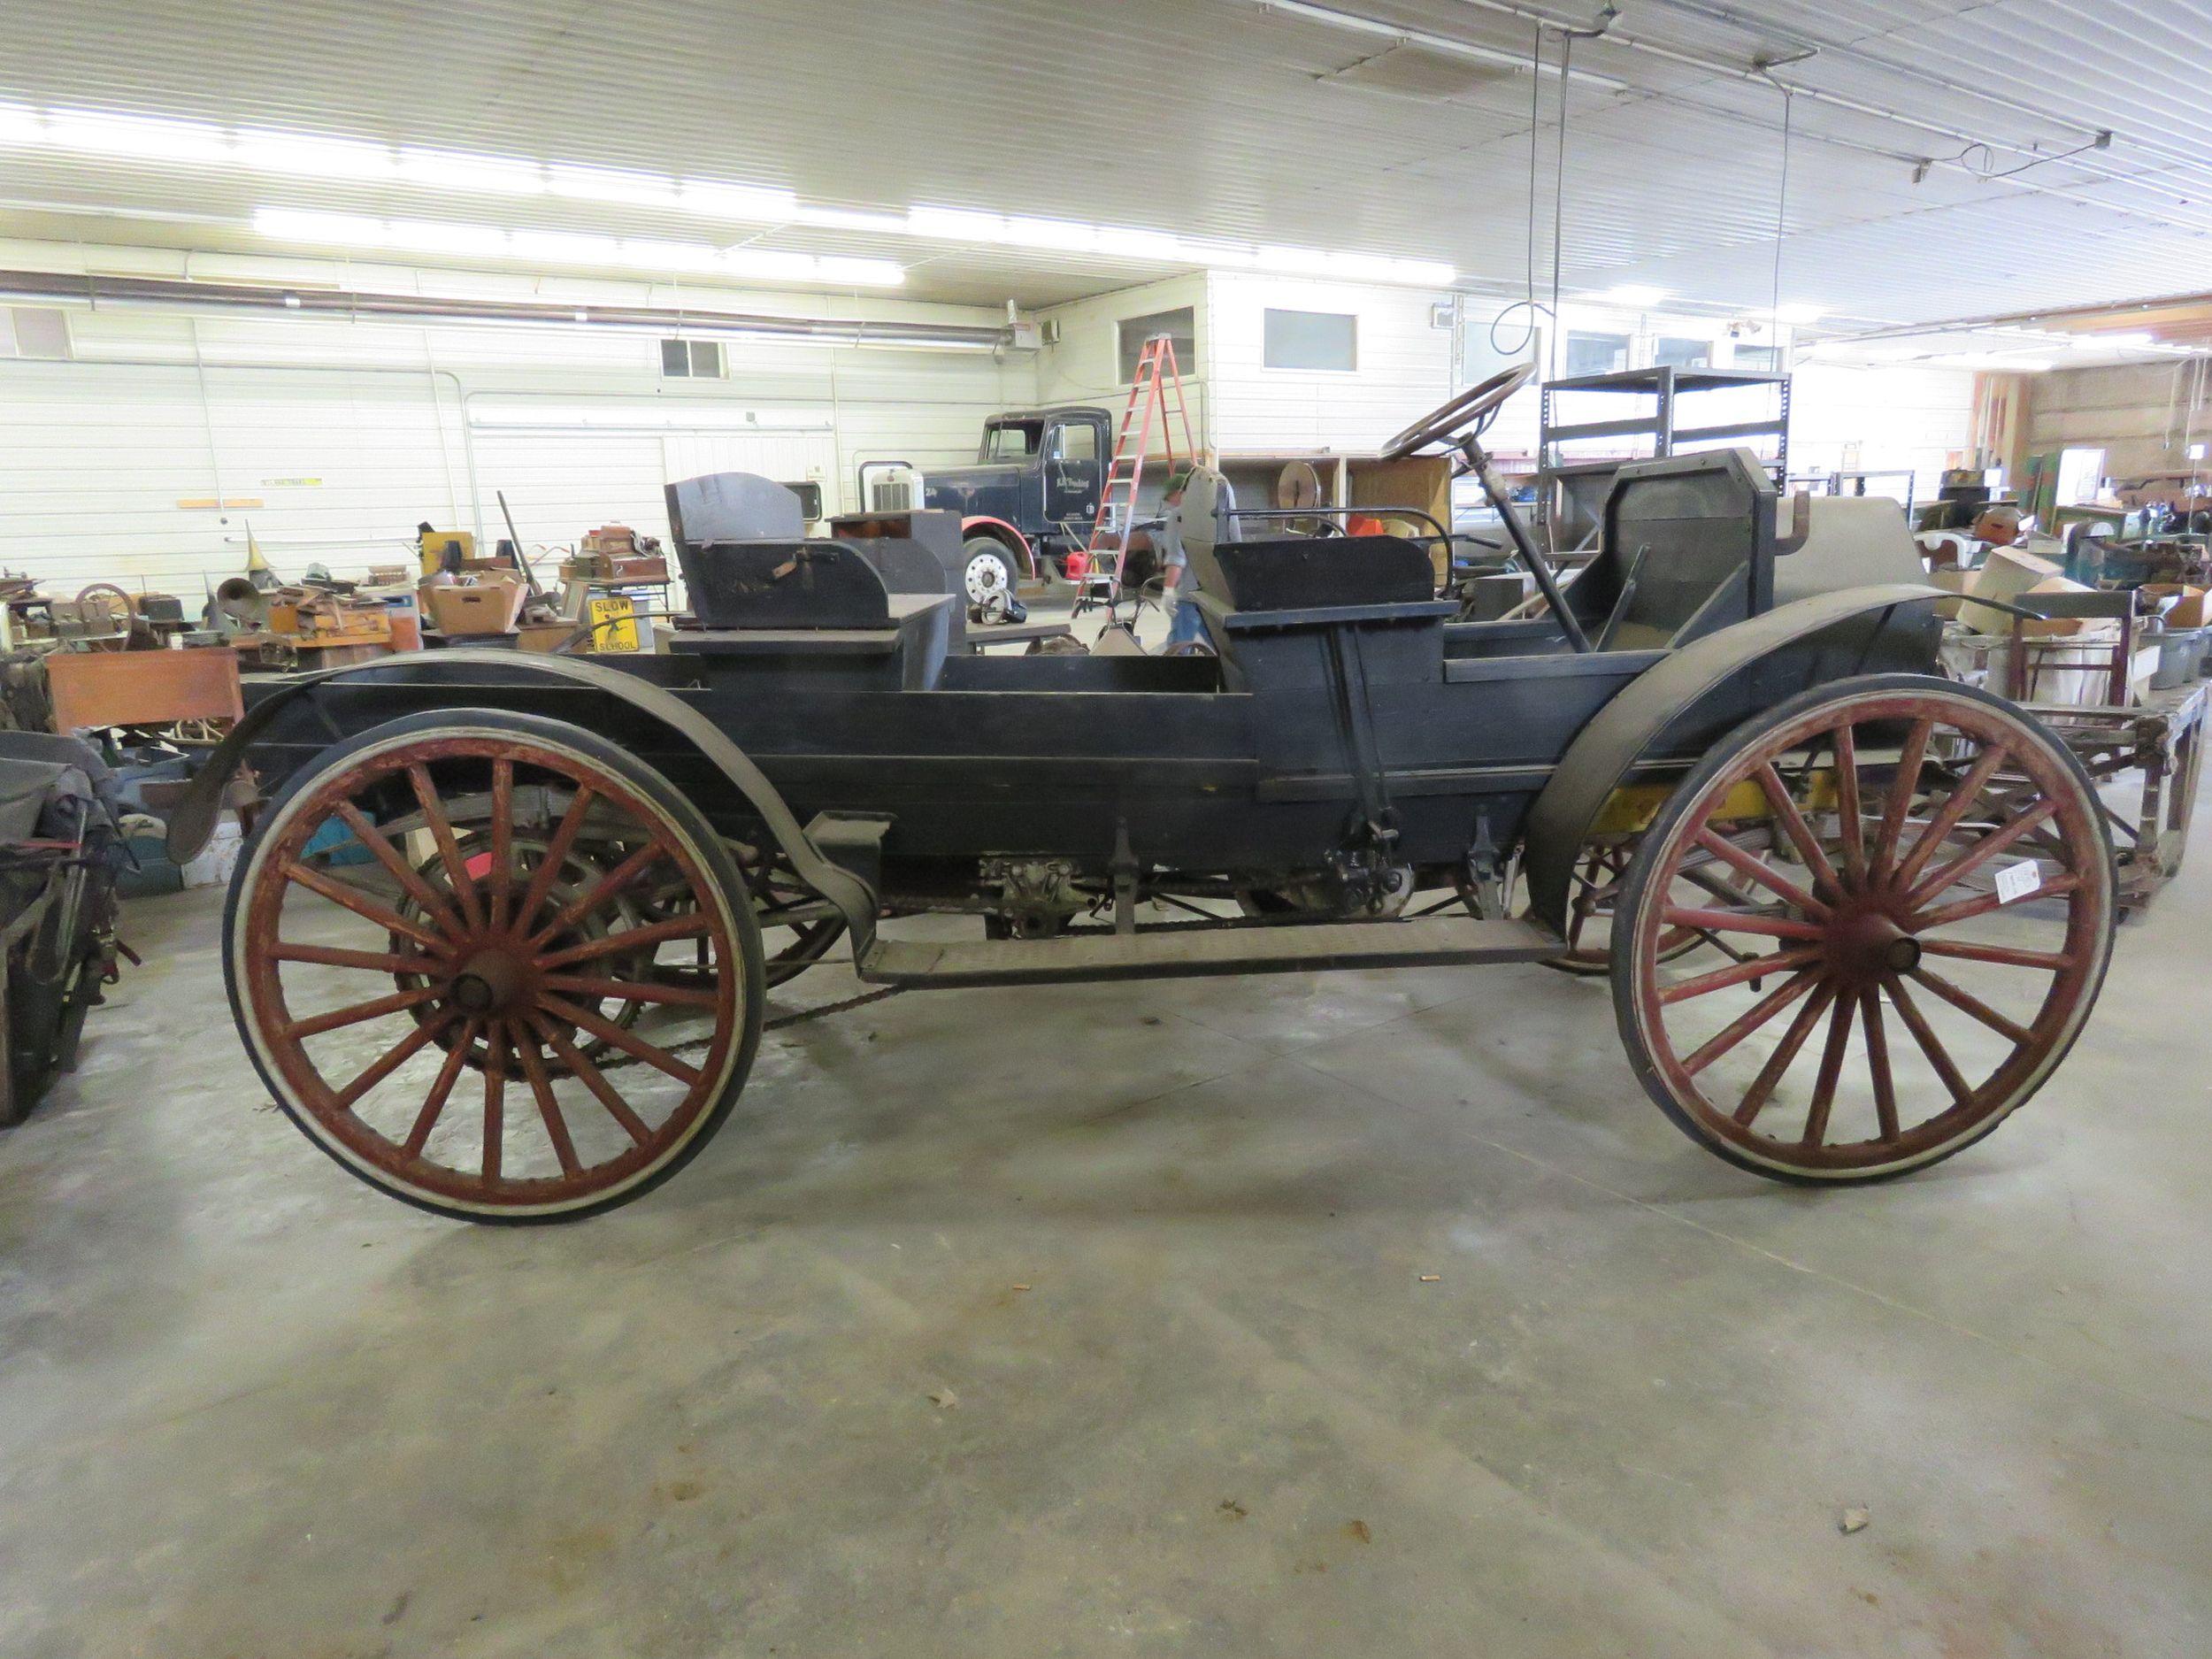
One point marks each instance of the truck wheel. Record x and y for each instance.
(988, 578)
(468, 1015)
(1915, 973)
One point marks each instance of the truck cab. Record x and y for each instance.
(1031, 495)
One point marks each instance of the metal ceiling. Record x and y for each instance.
(1916, 188)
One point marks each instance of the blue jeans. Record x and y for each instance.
(1186, 623)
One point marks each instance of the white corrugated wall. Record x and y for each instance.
(343, 436)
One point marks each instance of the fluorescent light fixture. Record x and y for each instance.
(425, 235)
(693, 414)
(347, 230)
(486, 175)
(1140, 244)
(652, 254)
(1630, 296)
(873, 273)
(1988, 363)
(1798, 313)
(1061, 233)
(1222, 255)
(954, 224)
(851, 218)
(564, 246)
(768, 265)
(148, 137)
(757, 203)
(2125, 340)
(1298, 261)
(313, 156)
(19, 124)
(612, 184)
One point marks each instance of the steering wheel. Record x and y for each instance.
(1452, 420)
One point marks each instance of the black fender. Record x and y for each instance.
(1657, 713)
(194, 820)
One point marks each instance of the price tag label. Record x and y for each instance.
(2015, 882)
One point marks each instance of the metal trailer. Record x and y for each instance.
(501, 938)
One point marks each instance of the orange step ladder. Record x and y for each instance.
(1154, 391)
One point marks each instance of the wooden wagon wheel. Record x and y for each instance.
(1946, 937)
(437, 1038)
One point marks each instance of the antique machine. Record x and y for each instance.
(502, 939)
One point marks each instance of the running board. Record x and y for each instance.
(1177, 953)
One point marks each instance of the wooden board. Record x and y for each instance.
(96, 688)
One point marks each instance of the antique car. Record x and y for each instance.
(501, 939)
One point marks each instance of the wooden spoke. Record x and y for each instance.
(1755, 1097)
(1980, 853)
(1793, 825)
(1831, 1055)
(1741, 922)
(2005, 956)
(1761, 873)
(608, 886)
(449, 849)
(1966, 910)
(1897, 812)
(495, 1097)
(1772, 1004)
(1931, 1045)
(361, 904)
(502, 875)
(1967, 1003)
(633, 991)
(1850, 817)
(371, 961)
(548, 1107)
(581, 1064)
(652, 934)
(393, 1058)
(1954, 810)
(388, 855)
(396, 1003)
(441, 1088)
(1757, 968)
(608, 1032)
(1878, 1064)
(556, 852)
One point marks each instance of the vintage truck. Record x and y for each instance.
(1028, 500)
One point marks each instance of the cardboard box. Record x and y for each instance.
(2192, 607)
(2006, 575)
(489, 605)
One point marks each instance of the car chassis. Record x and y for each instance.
(501, 939)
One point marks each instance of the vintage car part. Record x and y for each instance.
(541, 1008)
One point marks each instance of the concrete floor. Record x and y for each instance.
(1076, 1322)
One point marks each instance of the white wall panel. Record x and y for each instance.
(1404, 366)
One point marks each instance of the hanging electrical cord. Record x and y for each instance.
(1567, 39)
(1527, 302)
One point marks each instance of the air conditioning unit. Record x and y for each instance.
(1048, 331)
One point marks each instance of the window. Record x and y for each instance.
(1766, 359)
(1673, 352)
(1012, 440)
(1075, 440)
(1595, 353)
(692, 360)
(1180, 326)
(1311, 340)
(2080, 476)
(32, 331)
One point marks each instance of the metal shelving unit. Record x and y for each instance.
(1572, 494)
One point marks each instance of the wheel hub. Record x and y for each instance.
(489, 982)
(1868, 944)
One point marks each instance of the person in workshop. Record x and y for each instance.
(1185, 625)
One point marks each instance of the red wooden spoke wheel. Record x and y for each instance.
(438, 965)
(1934, 924)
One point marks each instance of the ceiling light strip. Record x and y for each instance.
(166, 140)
